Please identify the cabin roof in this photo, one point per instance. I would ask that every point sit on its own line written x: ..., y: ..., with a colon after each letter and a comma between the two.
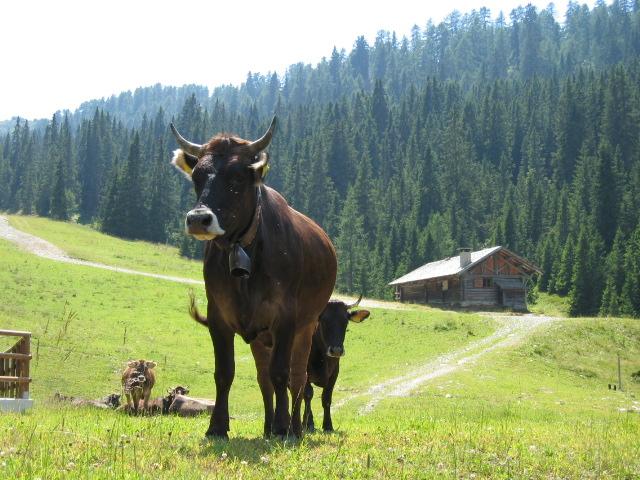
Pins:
x: 451, y: 266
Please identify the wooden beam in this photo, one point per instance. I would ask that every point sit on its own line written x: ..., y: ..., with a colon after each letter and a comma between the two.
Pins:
x: 16, y: 356
x: 15, y: 380
x: 15, y: 333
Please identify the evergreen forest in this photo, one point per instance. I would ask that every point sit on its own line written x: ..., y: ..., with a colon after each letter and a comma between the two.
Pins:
x: 514, y: 130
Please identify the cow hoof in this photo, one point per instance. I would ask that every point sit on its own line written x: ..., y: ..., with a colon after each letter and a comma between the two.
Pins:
x: 328, y: 430
x: 311, y: 428
x: 216, y: 436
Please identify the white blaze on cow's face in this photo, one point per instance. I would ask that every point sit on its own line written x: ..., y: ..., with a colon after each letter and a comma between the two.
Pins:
x: 200, y: 222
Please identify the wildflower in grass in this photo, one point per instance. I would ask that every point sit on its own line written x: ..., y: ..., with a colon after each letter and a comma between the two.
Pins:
x: 264, y: 459
x: 244, y: 462
x: 223, y: 456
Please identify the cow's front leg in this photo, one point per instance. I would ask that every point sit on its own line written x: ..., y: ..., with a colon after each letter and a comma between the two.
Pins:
x: 261, y: 355
x: 136, y: 401
x: 279, y: 373
x: 327, y: 394
x: 145, y: 405
x: 222, y: 338
x: 298, y: 381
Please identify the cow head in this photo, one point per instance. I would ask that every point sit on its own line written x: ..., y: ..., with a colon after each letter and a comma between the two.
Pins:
x: 112, y: 400
x: 137, y: 375
x: 333, y: 324
x: 225, y: 172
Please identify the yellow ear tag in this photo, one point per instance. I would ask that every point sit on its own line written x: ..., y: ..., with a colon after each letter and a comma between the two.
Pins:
x: 265, y: 170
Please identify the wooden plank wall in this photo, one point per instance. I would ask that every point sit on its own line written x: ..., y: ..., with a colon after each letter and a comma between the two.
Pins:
x: 14, y: 366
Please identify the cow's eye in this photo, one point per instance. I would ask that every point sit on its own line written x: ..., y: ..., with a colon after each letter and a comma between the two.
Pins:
x: 236, y: 178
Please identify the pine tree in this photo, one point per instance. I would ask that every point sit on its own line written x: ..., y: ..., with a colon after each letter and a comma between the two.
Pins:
x: 630, y: 295
x: 579, y: 296
x: 615, y: 276
x: 59, y: 204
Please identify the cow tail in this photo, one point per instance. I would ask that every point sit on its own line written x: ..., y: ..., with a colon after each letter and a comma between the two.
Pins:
x: 193, y: 311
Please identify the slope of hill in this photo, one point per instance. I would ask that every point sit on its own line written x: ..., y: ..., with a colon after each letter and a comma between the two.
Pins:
x: 529, y: 410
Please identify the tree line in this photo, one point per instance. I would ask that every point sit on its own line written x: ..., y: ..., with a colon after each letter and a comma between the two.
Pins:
x: 473, y: 132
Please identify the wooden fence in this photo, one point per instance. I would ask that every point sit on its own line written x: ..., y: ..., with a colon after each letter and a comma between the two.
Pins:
x: 14, y: 366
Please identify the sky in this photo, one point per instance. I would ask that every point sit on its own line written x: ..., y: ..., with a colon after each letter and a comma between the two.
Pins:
x: 57, y: 54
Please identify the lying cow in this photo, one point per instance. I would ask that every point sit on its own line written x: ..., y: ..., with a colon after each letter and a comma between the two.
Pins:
x: 327, y: 347
x: 160, y: 405
x: 110, y: 401
x: 184, y: 406
x: 137, y: 381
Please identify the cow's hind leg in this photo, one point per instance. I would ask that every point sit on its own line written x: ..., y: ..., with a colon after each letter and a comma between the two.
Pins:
x: 298, y: 380
x: 222, y: 339
x: 261, y: 355
x: 279, y: 373
x: 307, y: 417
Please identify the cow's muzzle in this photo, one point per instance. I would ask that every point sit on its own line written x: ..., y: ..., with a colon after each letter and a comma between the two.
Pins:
x: 203, y: 224
x: 335, y: 352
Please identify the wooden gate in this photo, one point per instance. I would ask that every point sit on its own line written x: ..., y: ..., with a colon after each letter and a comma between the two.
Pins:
x: 14, y: 366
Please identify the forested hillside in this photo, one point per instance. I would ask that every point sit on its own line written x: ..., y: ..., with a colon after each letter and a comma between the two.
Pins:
x: 476, y: 131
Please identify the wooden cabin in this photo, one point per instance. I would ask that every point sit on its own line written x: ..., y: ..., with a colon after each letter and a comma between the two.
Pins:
x: 490, y: 277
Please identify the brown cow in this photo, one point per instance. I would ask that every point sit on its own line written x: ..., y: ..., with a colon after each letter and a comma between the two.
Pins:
x: 268, y: 269
x: 160, y: 405
x: 327, y: 347
x: 137, y: 381
x: 184, y: 406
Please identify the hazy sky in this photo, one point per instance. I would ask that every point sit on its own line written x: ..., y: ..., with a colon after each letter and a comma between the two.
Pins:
x: 56, y: 54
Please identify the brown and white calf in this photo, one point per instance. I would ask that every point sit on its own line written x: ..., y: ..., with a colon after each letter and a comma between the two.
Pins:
x: 137, y: 381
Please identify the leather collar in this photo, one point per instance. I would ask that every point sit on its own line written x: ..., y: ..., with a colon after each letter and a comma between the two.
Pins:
x: 250, y: 234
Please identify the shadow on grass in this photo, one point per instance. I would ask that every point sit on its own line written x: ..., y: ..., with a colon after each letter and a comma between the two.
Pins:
x: 253, y: 450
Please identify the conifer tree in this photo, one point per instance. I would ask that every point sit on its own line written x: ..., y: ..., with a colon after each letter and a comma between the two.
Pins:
x: 630, y: 295
x: 59, y: 205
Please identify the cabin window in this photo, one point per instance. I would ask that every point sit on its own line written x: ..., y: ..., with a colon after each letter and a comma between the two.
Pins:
x: 477, y: 282
x: 445, y: 285
x: 487, y: 282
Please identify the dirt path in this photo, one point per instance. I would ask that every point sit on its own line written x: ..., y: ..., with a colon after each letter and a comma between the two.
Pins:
x: 511, y: 331
x: 42, y: 248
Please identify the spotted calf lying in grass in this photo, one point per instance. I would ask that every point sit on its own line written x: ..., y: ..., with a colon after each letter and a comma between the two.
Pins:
x: 110, y: 401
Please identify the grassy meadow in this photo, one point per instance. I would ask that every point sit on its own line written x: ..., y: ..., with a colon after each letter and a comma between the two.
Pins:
x: 85, y: 243
x: 538, y: 410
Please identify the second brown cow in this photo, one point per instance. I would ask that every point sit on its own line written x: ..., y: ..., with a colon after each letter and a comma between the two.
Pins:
x: 138, y: 380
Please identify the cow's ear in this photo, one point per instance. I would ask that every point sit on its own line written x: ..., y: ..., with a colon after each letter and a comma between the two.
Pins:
x: 261, y: 165
x: 132, y: 363
x: 184, y: 162
x: 150, y: 364
x: 359, y: 315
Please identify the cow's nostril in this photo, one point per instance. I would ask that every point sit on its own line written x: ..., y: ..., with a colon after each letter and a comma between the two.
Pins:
x: 206, y: 220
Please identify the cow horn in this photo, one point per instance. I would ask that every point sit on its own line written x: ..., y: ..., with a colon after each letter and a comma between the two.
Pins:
x: 354, y: 305
x: 191, y: 148
x: 263, y: 142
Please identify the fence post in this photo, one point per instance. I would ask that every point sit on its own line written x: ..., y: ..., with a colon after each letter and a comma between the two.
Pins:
x: 619, y: 374
x: 26, y: 349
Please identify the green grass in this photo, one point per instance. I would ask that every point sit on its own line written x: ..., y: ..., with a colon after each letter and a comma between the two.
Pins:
x: 552, y: 305
x: 91, y: 245
x: 538, y: 410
